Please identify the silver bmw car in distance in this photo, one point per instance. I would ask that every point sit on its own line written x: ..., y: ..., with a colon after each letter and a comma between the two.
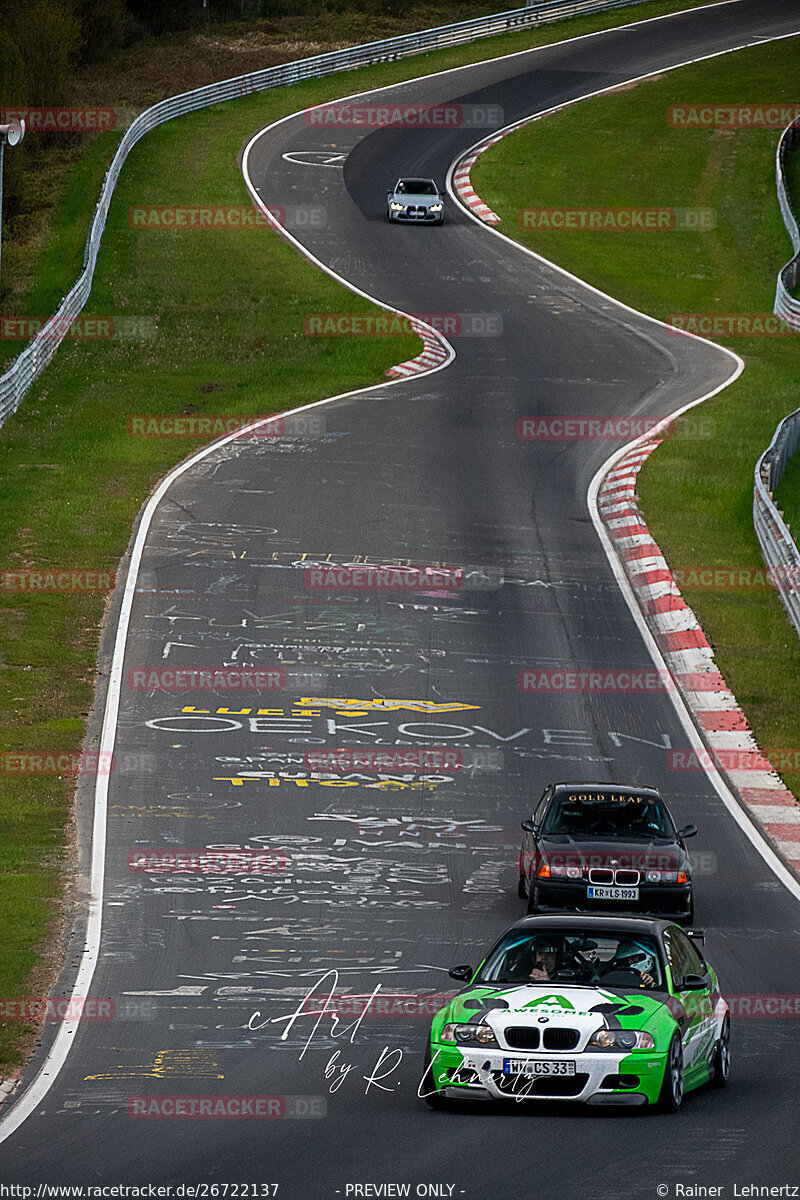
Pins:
x: 415, y: 200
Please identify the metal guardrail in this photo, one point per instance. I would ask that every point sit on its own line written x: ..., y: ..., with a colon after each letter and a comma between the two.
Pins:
x: 777, y: 544
x: 34, y: 358
x: 785, y: 304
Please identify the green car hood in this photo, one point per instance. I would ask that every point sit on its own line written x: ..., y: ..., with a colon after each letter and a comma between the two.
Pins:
x: 580, y: 1007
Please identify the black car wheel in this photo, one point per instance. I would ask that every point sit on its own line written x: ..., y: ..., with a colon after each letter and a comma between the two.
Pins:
x: 522, y: 890
x: 722, y: 1056
x: 672, y: 1087
x: 533, y: 907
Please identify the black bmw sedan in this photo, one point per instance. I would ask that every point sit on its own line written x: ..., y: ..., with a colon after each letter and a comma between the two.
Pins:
x: 605, y: 846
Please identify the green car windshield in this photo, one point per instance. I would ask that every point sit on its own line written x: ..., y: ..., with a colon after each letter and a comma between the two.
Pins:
x: 608, y: 814
x: 597, y: 959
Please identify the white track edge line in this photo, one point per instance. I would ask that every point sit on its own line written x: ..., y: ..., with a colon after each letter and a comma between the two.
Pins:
x: 23, y: 1107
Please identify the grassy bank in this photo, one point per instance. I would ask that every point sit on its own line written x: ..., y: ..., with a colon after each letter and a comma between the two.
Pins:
x: 696, y: 495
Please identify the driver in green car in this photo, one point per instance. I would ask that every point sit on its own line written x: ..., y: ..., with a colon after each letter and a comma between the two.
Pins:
x: 545, y: 962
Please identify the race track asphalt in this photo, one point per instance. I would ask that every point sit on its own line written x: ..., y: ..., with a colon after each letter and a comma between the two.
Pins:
x: 392, y: 886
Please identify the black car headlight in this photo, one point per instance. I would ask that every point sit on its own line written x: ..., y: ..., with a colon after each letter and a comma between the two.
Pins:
x: 666, y: 876
x: 620, y: 1039
x: 469, y: 1035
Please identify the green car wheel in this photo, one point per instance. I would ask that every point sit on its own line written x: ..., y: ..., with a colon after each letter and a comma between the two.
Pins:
x: 722, y: 1056
x: 672, y: 1087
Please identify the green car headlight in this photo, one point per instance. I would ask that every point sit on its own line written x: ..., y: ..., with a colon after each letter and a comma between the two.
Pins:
x: 469, y: 1035
x: 621, y: 1039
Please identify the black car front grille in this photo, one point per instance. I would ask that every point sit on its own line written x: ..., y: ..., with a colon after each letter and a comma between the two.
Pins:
x: 560, y: 1039
x: 521, y: 1037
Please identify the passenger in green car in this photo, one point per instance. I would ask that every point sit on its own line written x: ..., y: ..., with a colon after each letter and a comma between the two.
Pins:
x: 630, y: 960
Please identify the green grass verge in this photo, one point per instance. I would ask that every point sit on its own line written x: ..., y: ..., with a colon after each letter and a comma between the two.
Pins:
x: 229, y: 308
x: 696, y: 495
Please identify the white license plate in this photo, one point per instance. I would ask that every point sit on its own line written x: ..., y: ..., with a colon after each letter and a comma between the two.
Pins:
x: 538, y: 1066
x: 612, y: 893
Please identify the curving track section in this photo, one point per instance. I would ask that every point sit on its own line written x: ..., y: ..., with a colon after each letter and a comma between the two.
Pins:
x: 390, y: 887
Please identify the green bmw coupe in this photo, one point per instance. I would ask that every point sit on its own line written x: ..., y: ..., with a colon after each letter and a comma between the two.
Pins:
x: 599, y: 1009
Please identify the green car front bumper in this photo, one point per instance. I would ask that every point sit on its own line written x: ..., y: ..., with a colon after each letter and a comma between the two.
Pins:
x: 598, y: 1077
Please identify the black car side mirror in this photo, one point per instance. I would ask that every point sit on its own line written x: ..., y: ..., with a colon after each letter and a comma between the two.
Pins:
x: 694, y: 983
x: 462, y: 974
x: 529, y: 826
x: 687, y: 831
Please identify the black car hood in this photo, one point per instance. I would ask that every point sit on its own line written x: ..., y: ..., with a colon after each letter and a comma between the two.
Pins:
x: 634, y: 854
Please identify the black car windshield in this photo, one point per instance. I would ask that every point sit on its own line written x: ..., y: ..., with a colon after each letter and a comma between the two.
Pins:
x: 610, y: 813
x: 417, y: 187
x: 598, y: 958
